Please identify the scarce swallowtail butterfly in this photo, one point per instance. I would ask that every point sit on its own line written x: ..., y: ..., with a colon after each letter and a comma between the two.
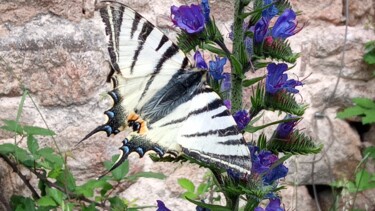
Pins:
x: 163, y: 99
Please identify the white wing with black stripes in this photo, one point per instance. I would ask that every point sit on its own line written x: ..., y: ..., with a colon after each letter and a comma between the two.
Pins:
x: 166, y: 103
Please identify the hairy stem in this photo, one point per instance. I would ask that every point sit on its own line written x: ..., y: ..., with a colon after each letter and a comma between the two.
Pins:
x: 236, y: 90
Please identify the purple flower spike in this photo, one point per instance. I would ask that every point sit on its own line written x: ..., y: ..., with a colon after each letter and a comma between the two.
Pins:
x: 277, y: 81
x: 206, y: 10
x: 200, y: 63
x: 284, y: 129
x: 242, y: 118
x: 260, y: 30
x: 161, y: 206
x: 271, y: 11
x: 286, y: 25
x: 217, y: 68
x: 228, y: 104
x: 262, y: 162
x: 226, y: 82
x: 189, y: 19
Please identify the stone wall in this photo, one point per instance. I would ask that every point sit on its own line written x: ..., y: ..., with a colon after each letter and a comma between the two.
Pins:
x: 57, y: 50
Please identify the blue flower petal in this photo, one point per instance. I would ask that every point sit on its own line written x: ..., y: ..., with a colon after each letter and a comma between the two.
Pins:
x: 277, y: 81
x: 188, y: 18
x: 200, y: 63
x: 161, y: 206
x: 285, y: 25
x: 206, y: 10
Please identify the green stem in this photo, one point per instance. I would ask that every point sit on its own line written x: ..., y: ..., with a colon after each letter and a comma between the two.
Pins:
x: 236, y: 90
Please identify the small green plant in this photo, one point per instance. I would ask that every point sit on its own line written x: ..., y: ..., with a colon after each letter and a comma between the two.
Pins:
x: 57, y: 186
x: 364, y: 179
x: 363, y: 107
x: 369, y: 56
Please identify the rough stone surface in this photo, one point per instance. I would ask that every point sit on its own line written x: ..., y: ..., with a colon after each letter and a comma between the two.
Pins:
x: 57, y: 51
x: 297, y: 198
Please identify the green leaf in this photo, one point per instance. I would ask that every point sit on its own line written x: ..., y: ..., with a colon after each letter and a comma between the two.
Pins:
x: 52, y: 160
x: 106, y: 187
x: 297, y: 143
x: 252, y: 129
x: 202, y: 188
x: 22, y: 203
x: 186, y: 184
x: 190, y: 195
x: 214, y: 49
x: 209, y: 206
x: 91, y: 207
x: 55, y: 194
x: 32, y: 130
x: 32, y: 144
x: 12, y: 126
x: 369, y: 152
x: 350, y: 112
x: 369, y: 56
x: 364, y: 107
x: 20, y: 154
x: 364, y: 103
x: 88, y: 188
x: 6, y: 149
x: 47, y: 201
x: 249, y: 82
x: 369, y: 118
x: 363, y: 180
x: 121, y: 171
x: 66, y: 179
x: 117, y: 204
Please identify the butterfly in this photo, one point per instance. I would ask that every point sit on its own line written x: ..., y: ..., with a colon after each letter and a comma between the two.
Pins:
x: 164, y: 100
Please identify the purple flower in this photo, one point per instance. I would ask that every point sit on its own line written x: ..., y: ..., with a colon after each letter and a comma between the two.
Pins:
x: 273, y: 205
x: 228, y: 104
x: 260, y: 30
x: 262, y: 162
x: 242, y: 118
x: 226, y: 82
x: 161, y: 206
x: 200, y: 63
x: 276, y: 80
x: 206, y: 10
x: 286, y: 25
x: 284, y: 129
x: 271, y: 11
x: 217, y: 67
x: 189, y: 19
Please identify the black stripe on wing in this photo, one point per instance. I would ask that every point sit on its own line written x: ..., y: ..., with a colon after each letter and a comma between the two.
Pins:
x: 137, y: 18
x: 229, y: 131
x: 172, y: 50
x: 211, y: 106
x: 182, y: 87
x: 145, y: 32
x: 113, y: 15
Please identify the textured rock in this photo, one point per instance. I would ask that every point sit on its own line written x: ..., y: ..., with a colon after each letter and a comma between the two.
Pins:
x: 297, y: 198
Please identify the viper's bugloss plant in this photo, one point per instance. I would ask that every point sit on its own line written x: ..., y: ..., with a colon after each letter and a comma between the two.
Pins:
x: 260, y: 40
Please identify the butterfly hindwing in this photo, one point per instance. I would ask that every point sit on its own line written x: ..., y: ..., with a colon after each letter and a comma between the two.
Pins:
x: 170, y: 103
